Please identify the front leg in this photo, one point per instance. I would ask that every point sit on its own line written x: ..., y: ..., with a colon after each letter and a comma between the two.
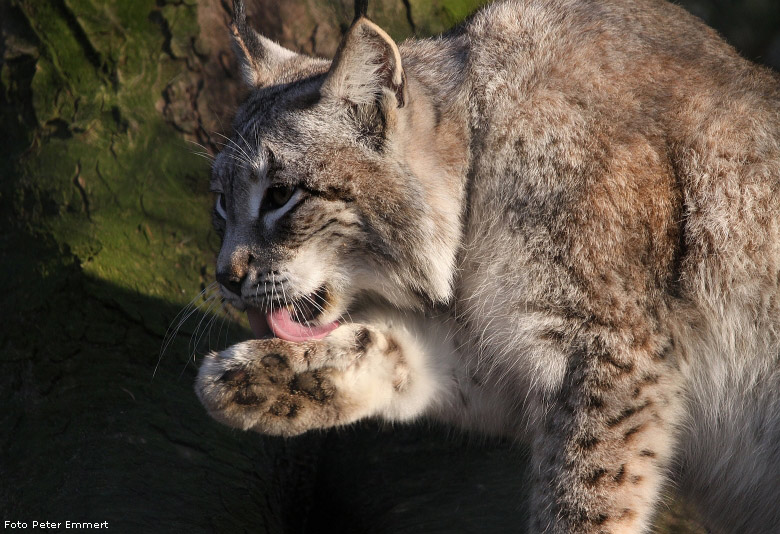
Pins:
x: 283, y: 388
x: 606, y: 440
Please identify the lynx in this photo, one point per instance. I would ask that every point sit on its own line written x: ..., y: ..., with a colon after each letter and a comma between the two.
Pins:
x: 559, y: 222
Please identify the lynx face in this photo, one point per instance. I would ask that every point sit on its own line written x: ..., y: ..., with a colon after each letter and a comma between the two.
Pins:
x: 317, y: 199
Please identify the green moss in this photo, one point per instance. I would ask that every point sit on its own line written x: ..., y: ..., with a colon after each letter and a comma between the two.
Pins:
x: 437, y: 16
x: 107, y: 176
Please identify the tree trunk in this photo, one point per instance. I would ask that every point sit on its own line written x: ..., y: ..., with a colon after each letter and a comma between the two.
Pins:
x: 106, y: 236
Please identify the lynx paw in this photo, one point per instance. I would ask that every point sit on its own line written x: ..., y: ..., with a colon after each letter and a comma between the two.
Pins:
x: 284, y: 388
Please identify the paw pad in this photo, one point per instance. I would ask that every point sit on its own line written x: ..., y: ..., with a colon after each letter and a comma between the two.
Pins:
x: 235, y: 375
x: 284, y: 408
x: 314, y: 386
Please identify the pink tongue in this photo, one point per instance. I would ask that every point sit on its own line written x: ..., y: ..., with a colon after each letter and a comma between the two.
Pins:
x: 285, y: 327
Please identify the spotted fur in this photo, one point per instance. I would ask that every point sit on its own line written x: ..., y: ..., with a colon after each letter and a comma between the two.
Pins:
x: 559, y: 222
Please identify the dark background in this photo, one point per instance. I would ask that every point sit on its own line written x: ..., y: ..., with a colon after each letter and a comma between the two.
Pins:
x: 105, y: 238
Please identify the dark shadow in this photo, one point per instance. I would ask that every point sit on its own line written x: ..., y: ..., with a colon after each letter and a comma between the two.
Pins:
x: 86, y: 434
x: 423, y: 479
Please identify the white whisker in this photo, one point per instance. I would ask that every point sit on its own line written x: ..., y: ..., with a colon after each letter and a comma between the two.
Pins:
x: 184, y: 314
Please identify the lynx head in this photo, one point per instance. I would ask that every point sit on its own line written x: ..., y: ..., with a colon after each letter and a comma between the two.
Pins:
x: 331, y: 187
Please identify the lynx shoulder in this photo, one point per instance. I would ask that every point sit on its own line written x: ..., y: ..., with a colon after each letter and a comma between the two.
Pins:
x: 559, y: 221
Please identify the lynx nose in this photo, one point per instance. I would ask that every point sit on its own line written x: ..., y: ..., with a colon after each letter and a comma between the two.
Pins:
x: 231, y: 276
x: 231, y: 282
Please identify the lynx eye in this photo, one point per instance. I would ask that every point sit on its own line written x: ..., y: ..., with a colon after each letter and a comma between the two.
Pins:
x: 277, y: 196
x: 221, y: 205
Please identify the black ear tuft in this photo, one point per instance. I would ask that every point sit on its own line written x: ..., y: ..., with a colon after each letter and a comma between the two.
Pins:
x: 361, y: 9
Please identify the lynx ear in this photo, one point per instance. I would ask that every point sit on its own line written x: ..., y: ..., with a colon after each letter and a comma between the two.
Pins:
x: 367, y: 66
x: 262, y: 60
